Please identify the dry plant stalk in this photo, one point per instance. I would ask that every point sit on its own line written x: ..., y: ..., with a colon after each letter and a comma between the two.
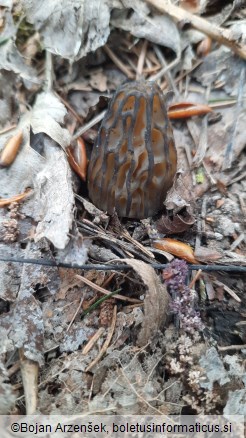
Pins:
x: 106, y: 343
x: 219, y: 34
x: 90, y: 344
x: 104, y: 291
x: 29, y: 373
x: 16, y: 198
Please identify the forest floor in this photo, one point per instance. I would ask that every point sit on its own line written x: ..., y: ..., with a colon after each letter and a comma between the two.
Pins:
x: 170, y: 337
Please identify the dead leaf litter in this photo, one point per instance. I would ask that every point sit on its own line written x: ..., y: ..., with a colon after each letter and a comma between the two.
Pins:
x: 141, y: 339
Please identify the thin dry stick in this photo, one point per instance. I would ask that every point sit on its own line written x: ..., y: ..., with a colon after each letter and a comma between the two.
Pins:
x: 49, y: 72
x: 232, y: 347
x: 104, y: 291
x: 70, y: 108
x: 141, y: 59
x: 29, y: 373
x: 168, y: 67
x: 89, y: 125
x: 188, y: 154
x: 130, y: 62
x: 76, y: 313
x: 228, y: 290
x: 187, y: 72
x: 240, y: 177
x: 118, y: 62
x: 138, y: 245
x: 198, y: 235
x: 9, y: 128
x: 165, y: 69
x: 242, y: 204
x: 196, y: 277
x: 210, y: 177
x: 93, y: 340
x: 237, y: 242
x: 224, y: 104
x: 219, y: 34
x: 14, y: 369
x: 106, y: 343
x: 107, y: 281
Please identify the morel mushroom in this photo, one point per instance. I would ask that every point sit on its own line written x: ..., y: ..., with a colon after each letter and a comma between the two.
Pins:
x: 134, y: 158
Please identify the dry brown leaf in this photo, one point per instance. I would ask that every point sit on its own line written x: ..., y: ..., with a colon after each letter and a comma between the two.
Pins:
x: 204, y: 254
x: 177, y: 224
x: 179, y: 249
x: 155, y: 302
x: 11, y: 149
x: 180, y: 195
x: 77, y: 158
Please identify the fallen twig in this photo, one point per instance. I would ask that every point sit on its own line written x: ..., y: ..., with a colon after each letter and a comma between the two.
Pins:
x: 93, y: 340
x: 29, y: 373
x: 88, y: 125
x: 106, y: 343
x: 228, y: 290
x: 104, y: 291
x: 232, y: 347
x: 217, y: 33
x: 118, y: 62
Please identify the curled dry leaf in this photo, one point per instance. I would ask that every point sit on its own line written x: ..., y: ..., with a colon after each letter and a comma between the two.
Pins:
x: 155, y: 302
x: 177, y: 248
x: 184, y: 110
x: 180, y: 195
x: 77, y: 158
x: 47, y: 116
x: 177, y: 224
x: 54, y: 199
x: 11, y: 149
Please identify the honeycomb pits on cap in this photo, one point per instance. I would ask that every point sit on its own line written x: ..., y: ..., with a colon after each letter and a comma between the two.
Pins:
x: 134, y: 159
